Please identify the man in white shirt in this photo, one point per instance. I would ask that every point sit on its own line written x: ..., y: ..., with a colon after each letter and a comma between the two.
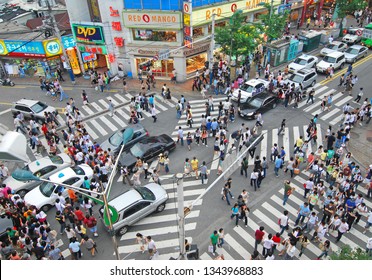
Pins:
x: 283, y: 221
x: 344, y: 227
x: 59, y: 205
x: 151, y: 246
x: 267, y: 245
x: 4, y: 171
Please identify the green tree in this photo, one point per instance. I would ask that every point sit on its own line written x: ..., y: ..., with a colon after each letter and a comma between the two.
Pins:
x: 347, y: 7
x: 347, y: 253
x: 274, y: 24
x: 237, y: 38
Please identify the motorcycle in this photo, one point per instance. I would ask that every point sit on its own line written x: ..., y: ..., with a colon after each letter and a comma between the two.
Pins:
x: 7, y: 82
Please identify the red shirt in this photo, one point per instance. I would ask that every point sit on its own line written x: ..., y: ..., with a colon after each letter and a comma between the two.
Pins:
x: 79, y: 215
x: 259, y: 235
x: 276, y: 239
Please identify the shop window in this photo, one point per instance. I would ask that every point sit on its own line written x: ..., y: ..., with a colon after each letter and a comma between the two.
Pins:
x: 257, y: 16
x: 218, y: 24
x: 160, y: 68
x: 198, y: 32
x: 152, y: 35
x: 196, y: 62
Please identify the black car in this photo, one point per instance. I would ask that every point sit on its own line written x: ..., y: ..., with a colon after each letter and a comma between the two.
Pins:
x: 148, y: 148
x: 115, y: 141
x: 259, y: 103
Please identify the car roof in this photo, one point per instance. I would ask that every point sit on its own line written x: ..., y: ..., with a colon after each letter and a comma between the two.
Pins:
x: 358, y: 47
x: 125, y: 199
x: 306, y: 56
x: 254, y: 82
x: 46, y: 161
x: 335, y: 54
x: 262, y: 96
x: 305, y: 71
x: 28, y: 102
x: 337, y: 43
x: 68, y: 173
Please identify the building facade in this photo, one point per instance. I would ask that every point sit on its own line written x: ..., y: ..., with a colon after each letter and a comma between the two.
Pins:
x: 166, y: 34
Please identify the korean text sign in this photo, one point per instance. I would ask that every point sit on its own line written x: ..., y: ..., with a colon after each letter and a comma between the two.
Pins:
x: 22, y: 48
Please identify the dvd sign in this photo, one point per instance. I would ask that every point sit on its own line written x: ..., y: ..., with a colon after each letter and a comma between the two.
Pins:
x: 89, y: 34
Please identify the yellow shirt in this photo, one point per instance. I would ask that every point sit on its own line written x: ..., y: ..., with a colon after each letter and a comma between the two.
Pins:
x: 194, y: 164
x: 323, y: 156
x: 299, y: 142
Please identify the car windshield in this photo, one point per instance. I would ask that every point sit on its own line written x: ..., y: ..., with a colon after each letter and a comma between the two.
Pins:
x: 296, y: 78
x: 256, y: 103
x: 78, y: 170
x: 332, y: 47
x: 352, y: 51
x: 329, y: 59
x: 300, y: 61
x: 247, y: 88
x: 116, y: 139
x: 137, y: 150
x: 145, y: 193
x: 47, y: 188
x: 38, y: 107
x: 56, y: 159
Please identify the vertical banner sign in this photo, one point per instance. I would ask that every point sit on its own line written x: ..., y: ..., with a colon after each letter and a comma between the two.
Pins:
x: 187, y: 24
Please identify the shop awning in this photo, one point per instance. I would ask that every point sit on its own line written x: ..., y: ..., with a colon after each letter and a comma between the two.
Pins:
x: 13, y: 147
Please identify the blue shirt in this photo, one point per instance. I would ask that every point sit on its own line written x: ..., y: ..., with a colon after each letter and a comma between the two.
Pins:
x: 282, y: 153
x: 304, y: 210
x: 214, y: 125
x: 151, y: 100
x: 74, y: 246
x: 278, y: 162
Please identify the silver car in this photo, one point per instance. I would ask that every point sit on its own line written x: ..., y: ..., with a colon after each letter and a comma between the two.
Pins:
x: 134, y: 205
x: 304, y: 77
x: 353, y: 53
x: 33, y: 108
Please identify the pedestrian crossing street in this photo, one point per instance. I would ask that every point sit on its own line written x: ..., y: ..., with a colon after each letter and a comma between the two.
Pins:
x: 104, y: 125
x: 163, y: 227
x: 335, y: 115
x: 197, y: 109
x: 239, y: 241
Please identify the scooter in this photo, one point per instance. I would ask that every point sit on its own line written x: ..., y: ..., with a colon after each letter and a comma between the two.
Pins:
x: 7, y: 82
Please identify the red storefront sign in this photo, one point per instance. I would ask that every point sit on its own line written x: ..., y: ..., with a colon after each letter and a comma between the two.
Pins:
x: 116, y: 25
x: 114, y: 13
x: 119, y: 41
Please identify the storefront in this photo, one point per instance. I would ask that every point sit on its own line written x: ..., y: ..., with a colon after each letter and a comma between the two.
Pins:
x: 312, y: 9
x: 162, y: 31
x: 25, y: 58
x: 196, y: 58
x: 91, y: 46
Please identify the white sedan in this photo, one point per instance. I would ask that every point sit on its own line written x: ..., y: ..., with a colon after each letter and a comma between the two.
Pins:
x: 43, y: 168
x: 249, y: 89
x: 303, y: 62
x: 335, y: 46
x: 44, y: 196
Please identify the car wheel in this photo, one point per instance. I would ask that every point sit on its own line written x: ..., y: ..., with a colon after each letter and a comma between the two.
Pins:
x: 273, y: 106
x: 313, y: 84
x: 314, y: 65
x: 45, y: 208
x: 123, y: 230
x: 342, y: 65
x: 160, y: 208
x: 22, y: 193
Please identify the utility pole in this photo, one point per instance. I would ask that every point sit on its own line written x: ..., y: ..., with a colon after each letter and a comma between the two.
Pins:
x: 181, y: 216
x: 58, y: 35
x: 211, y: 49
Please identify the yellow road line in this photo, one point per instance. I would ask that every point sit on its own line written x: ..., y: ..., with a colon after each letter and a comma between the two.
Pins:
x: 343, y: 71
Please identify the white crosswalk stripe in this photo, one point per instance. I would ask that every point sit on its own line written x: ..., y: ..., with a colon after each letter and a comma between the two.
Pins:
x: 239, y: 241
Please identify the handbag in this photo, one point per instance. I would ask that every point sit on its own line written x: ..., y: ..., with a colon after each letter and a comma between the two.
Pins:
x: 210, y: 248
x: 296, y: 171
